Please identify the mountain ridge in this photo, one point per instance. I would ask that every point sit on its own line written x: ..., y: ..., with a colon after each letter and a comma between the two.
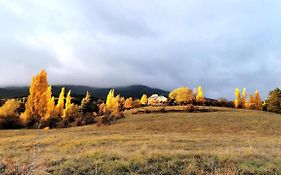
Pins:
x: 135, y: 91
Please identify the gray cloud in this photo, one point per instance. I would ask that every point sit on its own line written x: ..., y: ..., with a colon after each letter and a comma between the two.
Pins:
x: 164, y: 44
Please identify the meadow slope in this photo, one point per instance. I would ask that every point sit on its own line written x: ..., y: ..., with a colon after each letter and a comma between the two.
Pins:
x: 228, y: 141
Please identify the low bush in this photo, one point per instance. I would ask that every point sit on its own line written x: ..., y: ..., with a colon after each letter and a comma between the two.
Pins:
x: 10, y: 122
x: 9, y: 115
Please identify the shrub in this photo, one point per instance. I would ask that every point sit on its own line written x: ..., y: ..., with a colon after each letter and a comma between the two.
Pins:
x: 10, y: 122
x: 102, y: 108
x: 136, y: 103
x: 128, y: 104
x: 70, y: 114
x: 9, y: 108
x: 9, y: 116
x: 74, y: 118
x: 51, y: 122
x: 109, y: 118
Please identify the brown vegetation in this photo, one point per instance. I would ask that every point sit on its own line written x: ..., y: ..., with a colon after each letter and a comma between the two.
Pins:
x: 229, y: 141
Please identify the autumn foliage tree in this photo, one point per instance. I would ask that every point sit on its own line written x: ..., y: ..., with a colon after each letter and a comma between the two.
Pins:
x: 85, y: 102
x: 36, y: 107
x: 60, y: 104
x: 68, y: 105
x: 50, y: 105
x: 258, y: 100
x: 182, y: 95
x: 110, y: 100
x: 9, y: 117
x: 255, y: 101
x: 237, y: 100
x: 144, y: 99
x: 113, y: 103
x: 9, y: 108
x: 128, y: 104
x: 200, y: 95
x: 244, y: 100
x: 41, y: 111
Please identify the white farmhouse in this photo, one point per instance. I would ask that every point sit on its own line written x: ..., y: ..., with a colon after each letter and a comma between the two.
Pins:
x: 155, y: 99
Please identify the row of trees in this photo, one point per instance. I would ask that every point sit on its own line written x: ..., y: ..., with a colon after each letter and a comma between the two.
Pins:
x: 42, y: 109
x: 115, y: 104
x: 254, y: 102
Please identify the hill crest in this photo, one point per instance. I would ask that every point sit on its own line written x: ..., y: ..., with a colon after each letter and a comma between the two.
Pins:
x: 135, y: 91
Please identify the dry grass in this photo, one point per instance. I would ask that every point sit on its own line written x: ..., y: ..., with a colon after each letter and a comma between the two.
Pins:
x: 224, y: 142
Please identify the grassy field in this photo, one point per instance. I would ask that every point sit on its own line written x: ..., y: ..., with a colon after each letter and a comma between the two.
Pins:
x: 224, y: 142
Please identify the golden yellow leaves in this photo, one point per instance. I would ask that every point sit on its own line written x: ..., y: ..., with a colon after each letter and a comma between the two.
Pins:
x: 182, y: 95
x: 255, y: 101
x: 9, y: 108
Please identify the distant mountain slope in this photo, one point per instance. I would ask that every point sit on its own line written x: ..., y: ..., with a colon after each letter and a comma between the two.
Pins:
x: 135, y: 91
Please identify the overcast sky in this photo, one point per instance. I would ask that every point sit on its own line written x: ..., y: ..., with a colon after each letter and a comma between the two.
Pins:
x: 219, y: 44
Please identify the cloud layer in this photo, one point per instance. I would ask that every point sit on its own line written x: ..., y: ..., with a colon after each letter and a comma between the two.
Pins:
x: 164, y: 44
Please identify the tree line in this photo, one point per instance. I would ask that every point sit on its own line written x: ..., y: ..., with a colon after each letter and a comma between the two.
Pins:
x: 42, y: 109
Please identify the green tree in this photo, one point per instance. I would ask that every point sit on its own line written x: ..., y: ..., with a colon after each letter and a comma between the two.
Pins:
x: 273, y: 101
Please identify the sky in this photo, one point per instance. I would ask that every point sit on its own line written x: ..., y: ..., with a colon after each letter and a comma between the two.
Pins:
x: 165, y: 44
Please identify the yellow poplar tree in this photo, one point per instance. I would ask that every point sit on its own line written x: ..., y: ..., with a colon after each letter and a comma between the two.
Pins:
x: 60, y: 105
x: 252, y: 102
x: 255, y: 101
x: 67, y: 104
x: 68, y: 100
x: 112, y: 102
x: 51, y: 109
x: 143, y: 99
x: 237, y: 100
x: 244, y: 101
x: 258, y: 100
x: 86, y: 100
x: 200, y: 94
x: 37, y: 102
x: 51, y: 103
